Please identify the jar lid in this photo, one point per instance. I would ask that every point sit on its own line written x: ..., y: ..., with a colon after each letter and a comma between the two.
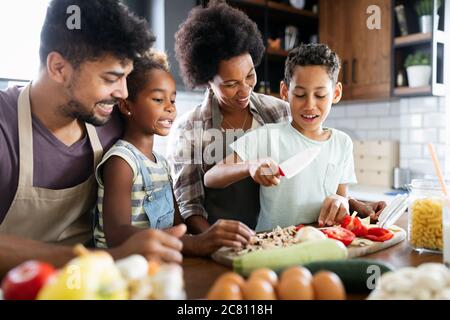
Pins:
x: 429, y: 184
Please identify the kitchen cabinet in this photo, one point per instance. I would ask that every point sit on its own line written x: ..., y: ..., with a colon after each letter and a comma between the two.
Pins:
x: 365, y: 53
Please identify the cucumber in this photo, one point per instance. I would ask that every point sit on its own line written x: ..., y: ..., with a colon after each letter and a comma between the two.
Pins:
x: 281, y: 258
x: 354, y: 273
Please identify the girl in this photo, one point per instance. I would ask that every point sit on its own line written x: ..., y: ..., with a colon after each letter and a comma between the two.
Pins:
x: 135, y: 187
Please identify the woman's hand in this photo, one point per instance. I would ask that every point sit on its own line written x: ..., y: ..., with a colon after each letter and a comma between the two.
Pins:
x: 367, y: 209
x: 334, y: 210
x: 223, y: 233
x: 266, y: 172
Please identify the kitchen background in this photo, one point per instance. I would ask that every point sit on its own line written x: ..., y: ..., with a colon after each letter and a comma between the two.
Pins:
x: 374, y: 38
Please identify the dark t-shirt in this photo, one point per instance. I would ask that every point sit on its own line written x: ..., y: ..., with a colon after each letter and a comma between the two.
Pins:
x: 56, y: 166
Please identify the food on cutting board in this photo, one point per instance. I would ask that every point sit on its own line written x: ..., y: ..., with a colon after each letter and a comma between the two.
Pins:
x: 295, y: 283
x: 296, y: 254
x: 93, y: 275
x: 24, y: 281
x: 429, y: 281
x: 354, y: 273
x: 425, y: 224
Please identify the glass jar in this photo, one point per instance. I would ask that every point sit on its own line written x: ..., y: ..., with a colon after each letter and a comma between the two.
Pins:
x: 426, y: 201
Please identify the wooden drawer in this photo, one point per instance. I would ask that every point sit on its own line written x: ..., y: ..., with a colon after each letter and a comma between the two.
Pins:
x: 376, y: 148
x: 375, y: 178
x: 379, y: 163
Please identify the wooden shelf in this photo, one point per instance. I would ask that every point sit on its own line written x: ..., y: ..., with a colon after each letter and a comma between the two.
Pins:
x: 407, y: 91
x: 281, y: 7
x: 277, y: 52
x: 413, y: 39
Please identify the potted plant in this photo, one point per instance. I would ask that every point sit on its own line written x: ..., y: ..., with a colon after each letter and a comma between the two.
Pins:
x: 418, y: 68
x: 424, y: 9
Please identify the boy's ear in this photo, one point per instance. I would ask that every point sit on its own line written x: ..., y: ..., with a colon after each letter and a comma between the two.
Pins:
x: 284, y: 91
x: 125, y: 107
x: 337, y: 93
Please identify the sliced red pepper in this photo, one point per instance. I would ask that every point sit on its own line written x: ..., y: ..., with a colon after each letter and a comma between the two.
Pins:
x: 339, y: 233
x: 355, y: 225
x: 299, y: 226
x: 379, y: 234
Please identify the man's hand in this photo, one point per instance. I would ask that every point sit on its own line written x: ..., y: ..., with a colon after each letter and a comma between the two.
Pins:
x: 367, y: 209
x: 334, y: 210
x: 154, y: 244
x: 265, y: 172
x: 223, y: 233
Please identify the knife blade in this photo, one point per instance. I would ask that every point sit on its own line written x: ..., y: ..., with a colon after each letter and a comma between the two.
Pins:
x: 294, y: 165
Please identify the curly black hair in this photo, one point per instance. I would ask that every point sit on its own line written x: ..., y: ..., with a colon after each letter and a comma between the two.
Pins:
x: 213, y: 34
x: 137, y: 80
x: 316, y: 54
x: 107, y: 27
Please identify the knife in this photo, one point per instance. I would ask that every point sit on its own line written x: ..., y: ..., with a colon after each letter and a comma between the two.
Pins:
x: 294, y: 165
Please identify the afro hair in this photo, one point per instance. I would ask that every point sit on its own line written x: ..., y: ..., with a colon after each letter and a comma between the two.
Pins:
x: 211, y: 35
x: 107, y: 27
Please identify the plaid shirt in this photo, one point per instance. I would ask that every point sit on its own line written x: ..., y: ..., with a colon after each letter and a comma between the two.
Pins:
x: 189, y: 138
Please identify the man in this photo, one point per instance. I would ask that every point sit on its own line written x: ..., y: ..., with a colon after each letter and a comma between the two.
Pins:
x: 48, y: 143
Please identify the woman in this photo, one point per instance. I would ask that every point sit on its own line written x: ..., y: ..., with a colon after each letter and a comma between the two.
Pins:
x: 218, y: 48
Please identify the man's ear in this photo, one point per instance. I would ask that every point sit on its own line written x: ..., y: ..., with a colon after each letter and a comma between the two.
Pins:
x: 337, y: 95
x: 125, y: 107
x: 58, y: 68
x: 284, y: 91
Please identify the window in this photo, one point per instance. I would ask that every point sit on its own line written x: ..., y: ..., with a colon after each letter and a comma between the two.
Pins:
x: 20, y: 27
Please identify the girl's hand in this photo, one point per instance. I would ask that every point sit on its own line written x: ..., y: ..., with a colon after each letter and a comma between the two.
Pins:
x: 334, y: 210
x: 265, y: 172
x: 367, y: 209
x: 223, y: 233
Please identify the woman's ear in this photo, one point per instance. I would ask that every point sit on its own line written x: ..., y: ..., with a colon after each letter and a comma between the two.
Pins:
x: 125, y: 107
x: 284, y: 91
x: 337, y: 93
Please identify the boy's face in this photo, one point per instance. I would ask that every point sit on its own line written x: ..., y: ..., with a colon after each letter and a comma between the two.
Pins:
x: 310, y: 95
x: 154, y: 110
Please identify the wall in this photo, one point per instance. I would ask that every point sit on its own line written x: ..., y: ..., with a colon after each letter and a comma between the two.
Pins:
x: 413, y: 121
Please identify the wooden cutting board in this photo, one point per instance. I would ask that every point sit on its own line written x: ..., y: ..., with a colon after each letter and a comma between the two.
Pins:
x: 225, y: 256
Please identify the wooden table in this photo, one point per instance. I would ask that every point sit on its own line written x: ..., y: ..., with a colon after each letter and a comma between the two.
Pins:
x: 200, y: 273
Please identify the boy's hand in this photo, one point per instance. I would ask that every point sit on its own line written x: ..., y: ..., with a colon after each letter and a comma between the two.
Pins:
x: 265, y: 172
x: 155, y: 244
x: 366, y: 209
x: 223, y: 233
x: 334, y: 210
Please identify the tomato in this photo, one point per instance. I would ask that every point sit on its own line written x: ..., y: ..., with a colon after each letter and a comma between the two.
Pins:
x: 339, y: 233
x: 379, y: 234
x: 24, y: 281
x: 355, y: 225
x: 299, y: 226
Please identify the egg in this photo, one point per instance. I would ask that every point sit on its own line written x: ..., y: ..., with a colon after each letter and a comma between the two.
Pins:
x: 231, y: 277
x: 225, y: 290
x: 295, y: 288
x: 296, y: 272
x: 266, y: 274
x: 258, y: 289
x: 328, y: 286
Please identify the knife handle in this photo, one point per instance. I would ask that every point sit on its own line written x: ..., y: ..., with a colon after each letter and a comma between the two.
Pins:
x: 281, y: 172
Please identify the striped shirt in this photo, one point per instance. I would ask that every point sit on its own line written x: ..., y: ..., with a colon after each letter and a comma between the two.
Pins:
x: 159, y: 173
x: 188, y: 141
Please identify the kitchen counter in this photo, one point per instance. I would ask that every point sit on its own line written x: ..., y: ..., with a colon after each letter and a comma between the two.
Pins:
x: 370, y: 193
x: 200, y: 273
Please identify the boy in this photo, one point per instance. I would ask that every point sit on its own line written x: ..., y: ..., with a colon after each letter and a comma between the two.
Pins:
x: 319, y: 192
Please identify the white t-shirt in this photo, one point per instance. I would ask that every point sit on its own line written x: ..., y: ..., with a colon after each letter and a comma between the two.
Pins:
x: 299, y: 199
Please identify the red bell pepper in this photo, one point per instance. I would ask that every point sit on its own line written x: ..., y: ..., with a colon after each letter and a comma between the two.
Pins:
x: 379, y: 234
x: 339, y: 233
x: 355, y: 225
x: 24, y: 281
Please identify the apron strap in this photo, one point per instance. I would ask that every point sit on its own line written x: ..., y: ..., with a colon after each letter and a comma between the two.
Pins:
x: 25, y: 128
x: 95, y: 144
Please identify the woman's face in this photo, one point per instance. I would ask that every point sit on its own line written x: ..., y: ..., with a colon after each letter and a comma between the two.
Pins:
x: 234, y: 82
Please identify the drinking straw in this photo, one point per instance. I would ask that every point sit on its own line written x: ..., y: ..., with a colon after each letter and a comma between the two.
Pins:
x: 437, y: 167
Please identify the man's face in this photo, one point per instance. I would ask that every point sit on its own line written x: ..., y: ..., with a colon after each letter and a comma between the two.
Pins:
x: 95, y: 87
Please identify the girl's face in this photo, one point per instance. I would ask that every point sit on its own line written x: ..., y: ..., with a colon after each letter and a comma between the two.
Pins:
x: 154, y: 110
x: 234, y: 82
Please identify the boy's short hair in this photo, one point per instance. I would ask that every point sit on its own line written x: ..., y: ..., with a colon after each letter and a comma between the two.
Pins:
x: 137, y: 79
x: 106, y: 27
x: 312, y: 55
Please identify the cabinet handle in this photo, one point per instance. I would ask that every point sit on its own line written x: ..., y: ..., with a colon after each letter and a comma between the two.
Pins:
x: 344, y: 72
x: 354, y: 62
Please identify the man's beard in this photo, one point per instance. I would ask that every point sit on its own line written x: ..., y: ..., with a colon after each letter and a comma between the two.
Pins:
x: 74, y: 109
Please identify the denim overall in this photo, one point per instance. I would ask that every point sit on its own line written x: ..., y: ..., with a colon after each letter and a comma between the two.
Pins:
x: 158, y: 204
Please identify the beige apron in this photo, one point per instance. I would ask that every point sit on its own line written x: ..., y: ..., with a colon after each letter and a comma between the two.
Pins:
x: 53, y: 216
